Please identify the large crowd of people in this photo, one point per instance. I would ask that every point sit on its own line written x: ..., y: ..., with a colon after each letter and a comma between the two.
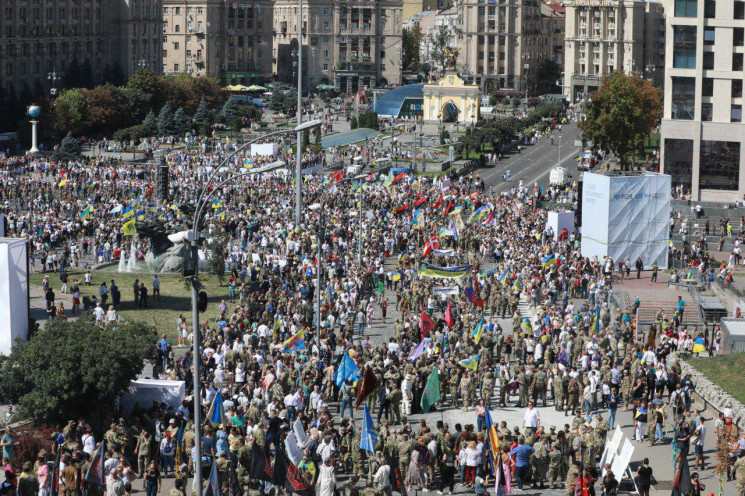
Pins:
x: 441, y: 285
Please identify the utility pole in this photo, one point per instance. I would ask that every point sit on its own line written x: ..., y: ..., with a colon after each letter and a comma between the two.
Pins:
x: 299, y: 154
x: 196, y: 356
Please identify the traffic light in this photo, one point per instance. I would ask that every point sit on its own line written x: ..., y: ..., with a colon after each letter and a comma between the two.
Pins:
x: 202, y: 302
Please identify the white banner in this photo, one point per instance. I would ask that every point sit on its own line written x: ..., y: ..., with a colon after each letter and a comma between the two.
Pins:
x: 294, y: 452
x: 300, y: 434
x: 443, y: 253
x: 445, y: 290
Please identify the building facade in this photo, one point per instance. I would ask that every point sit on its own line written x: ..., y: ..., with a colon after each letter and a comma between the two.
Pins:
x: 501, y: 43
x: 603, y: 36
x: 702, y: 135
x: 39, y: 39
x: 553, y: 21
x: 230, y: 40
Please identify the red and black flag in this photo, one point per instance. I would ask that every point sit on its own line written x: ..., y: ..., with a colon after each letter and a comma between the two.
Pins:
x: 368, y: 386
x: 261, y: 467
x: 682, y: 484
x: 288, y: 475
x: 395, y: 479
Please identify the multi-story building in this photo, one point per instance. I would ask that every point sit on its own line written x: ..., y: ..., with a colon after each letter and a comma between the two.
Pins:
x: 702, y: 131
x: 444, y: 21
x: 501, y: 42
x: 136, y: 28
x: 350, y: 45
x: 553, y: 19
x: 412, y: 7
x: 42, y: 37
x: 603, y: 36
x: 230, y: 40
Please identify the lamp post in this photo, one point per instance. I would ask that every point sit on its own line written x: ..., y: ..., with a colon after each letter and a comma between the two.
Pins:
x: 193, y: 236
x: 52, y: 76
x: 299, y: 154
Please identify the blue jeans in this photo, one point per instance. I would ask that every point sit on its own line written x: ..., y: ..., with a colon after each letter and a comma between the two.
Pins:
x: 167, y: 463
x: 481, y: 423
x: 151, y: 488
x: 361, y: 329
x: 588, y: 407
x: 347, y: 402
x: 612, y: 417
x: 658, y: 433
x: 291, y: 413
x: 520, y: 476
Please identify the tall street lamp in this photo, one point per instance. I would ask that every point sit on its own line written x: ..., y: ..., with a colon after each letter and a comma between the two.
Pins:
x: 191, y: 269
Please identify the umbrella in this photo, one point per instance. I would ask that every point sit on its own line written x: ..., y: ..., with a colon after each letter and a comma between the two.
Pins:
x: 237, y: 87
x: 255, y: 87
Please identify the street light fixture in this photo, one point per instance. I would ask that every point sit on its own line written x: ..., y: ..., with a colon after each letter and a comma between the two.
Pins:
x: 193, y: 236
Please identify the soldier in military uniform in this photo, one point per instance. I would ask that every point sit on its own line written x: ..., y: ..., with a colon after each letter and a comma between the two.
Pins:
x: 540, y: 382
x: 358, y: 456
x: 454, y: 385
x: 404, y: 454
x: 345, y: 449
x: 143, y: 450
x: 396, y: 397
x: 223, y: 469
x: 573, y: 393
x: 539, y: 462
x: 113, y: 440
x: 503, y: 386
x: 522, y: 390
x: 350, y: 488
x: 487, y: 387
x: 554, y: 466
x: 571, y: 479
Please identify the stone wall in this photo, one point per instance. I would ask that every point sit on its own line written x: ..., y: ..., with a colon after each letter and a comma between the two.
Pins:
x: 714, y: 395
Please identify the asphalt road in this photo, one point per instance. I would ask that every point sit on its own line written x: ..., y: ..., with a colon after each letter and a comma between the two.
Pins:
x: 535, y: 162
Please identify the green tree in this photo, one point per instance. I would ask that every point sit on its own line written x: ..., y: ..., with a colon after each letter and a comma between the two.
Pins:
x: 621, y: 114
x: 444, y: 136
x: 181, y: 122
x: 150, y: 124
x: 277, y: 101
x: 230, y: 112
x: 72, y: 111
x: 68, y: 149
x: 74, y: 369
x: 149, y: 86
x: 203, y: 116
x: 547, y: 74
x: 166, y: 121
x: 353, y: 123
x: 411, y: 41
x: 439, y: 39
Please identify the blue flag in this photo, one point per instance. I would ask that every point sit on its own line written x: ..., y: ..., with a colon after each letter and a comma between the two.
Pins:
x: 369, y: 437
x: 216, y: 413
x: 347, y: 370
x: 213, y: 484
x: 416, y: 352
x: 95, y: 471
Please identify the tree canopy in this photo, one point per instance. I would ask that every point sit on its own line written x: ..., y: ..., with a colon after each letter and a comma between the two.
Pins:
x: 621, y: 114
x: 67, y: 368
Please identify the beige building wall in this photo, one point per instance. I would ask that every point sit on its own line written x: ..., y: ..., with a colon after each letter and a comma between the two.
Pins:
x: 703, y: 139
x: 501, y: 42
x: 603, y: 36
x: 416, y: 6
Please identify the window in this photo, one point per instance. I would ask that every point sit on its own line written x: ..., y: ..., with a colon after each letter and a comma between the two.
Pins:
x: 735, y: 113
x: 738, y: 36
x: 684, y: 98
x: 707, y: 111
x: 325, y: 54
x: 707, y: 87
x: 709, y: 60
x: 709, y: 36
x: 736, y: 61
x: 719, y: 165
x: 178, y: 10
x: 739, y: 10
x: 175, y: 67
x: 679, y: 161
x: 686, y: 8
x: 684, y: 47
x: 710, y: 9
x: 737, y: 88
x: 165, y: 10
x: 177, y: 28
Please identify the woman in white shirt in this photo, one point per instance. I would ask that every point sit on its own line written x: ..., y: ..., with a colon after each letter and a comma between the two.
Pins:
x: 111, y: 315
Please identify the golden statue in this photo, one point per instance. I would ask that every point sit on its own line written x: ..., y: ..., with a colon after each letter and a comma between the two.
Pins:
x: 451, y: 57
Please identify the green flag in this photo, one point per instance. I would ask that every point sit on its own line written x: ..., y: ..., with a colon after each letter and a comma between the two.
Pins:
x: 431, y: 394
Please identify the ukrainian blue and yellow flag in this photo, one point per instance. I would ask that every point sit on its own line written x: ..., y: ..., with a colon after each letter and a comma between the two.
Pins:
x: 62, y: 183
x: 355, y: 187
x: 470, y: 363
x: 479, y: 213
x: 217, y: 204
x: 221, y: 214
x: 549, y: 260
x: 397, y: 276
x: 429, y: 270
x: 478, y: 331
x: 389, y: 179
x: 699, y: 345
x: 456, y: 210
x: 417, y: 221
x: 504, y: 277
x: 596, y: 320
x: 128, y: 212
x: 86, y: 213
x: 296, y: 342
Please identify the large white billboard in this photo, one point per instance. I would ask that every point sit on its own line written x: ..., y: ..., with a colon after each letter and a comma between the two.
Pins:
x: 626, y: 217
x: 13, y: 293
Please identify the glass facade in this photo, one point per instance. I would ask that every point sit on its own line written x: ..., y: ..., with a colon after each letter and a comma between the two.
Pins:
x: 679, y: 161
x: 719, y: 165
x: 684, y: 47
x: 684, y: 98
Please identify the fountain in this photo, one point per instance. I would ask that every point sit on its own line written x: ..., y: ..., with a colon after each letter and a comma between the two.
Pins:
x: 122, y: 262
x: 132, y: 262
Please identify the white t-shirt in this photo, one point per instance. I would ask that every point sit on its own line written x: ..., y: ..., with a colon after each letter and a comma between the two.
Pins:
x: 89, y: 443
x: 531, y: 418
x: 99, y: 313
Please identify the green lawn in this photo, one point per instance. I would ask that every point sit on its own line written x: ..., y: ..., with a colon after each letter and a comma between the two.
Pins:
x: 175, y: 297
x: 728, y: 372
